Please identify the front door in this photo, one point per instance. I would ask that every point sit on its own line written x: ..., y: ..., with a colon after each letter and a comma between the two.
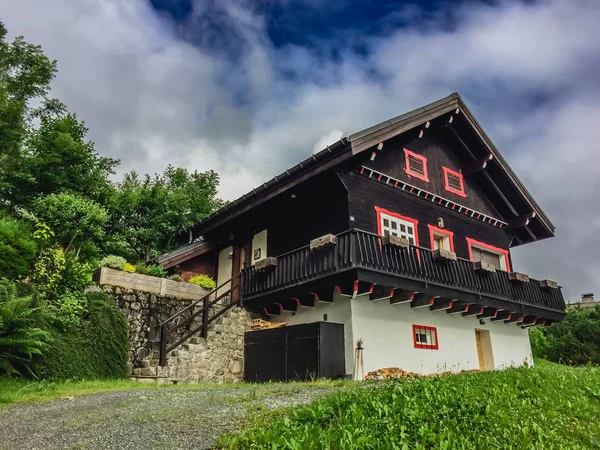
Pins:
x: 241, y: 260
x: 484, y: 349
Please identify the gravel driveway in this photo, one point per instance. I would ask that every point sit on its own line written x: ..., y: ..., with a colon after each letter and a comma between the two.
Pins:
x: 168, y: 418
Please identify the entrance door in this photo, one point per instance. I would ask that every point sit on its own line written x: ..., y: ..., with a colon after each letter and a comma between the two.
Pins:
x: 241, y: 260
x: 484, y: 349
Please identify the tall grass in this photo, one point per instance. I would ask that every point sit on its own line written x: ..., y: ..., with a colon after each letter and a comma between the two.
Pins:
x: 546, y: 407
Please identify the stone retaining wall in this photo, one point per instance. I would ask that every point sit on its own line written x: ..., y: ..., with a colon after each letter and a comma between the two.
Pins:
x: 218, y: 358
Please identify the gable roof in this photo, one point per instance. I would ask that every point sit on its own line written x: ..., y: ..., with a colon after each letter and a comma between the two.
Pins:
x: 511, y: 197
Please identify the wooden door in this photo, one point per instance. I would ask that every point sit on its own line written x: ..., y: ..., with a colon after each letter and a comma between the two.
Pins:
x: 484, y: 349
x: 241, y: 260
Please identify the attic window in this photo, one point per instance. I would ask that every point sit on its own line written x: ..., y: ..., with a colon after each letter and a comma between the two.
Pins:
x: 454, y: 182
x: 416, y: 165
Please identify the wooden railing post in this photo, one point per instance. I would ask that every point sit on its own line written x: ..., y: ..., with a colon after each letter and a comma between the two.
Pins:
x: 205, y: 318
x: 163, y: 344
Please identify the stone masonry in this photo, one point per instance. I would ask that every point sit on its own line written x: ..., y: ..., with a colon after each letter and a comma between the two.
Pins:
x: 219, y: 358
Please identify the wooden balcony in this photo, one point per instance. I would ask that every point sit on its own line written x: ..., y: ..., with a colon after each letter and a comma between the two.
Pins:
x: 360, y: 259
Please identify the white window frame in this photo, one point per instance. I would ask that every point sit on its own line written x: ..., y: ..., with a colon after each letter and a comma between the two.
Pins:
x: 397, y: 231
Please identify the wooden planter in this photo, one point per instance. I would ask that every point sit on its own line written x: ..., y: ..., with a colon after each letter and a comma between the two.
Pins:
x: 146, y: 283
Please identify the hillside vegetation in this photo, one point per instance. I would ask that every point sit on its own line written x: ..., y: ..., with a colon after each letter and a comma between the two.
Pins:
x: 546, y: 407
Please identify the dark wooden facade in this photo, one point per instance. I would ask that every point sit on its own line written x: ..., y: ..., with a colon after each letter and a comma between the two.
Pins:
x: 337, y: 192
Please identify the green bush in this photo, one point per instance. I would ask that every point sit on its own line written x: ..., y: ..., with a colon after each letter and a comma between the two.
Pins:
x: 97, y: 348
x: 155, y: 270
x: 539, y: 342
x: 113, y: 262
x: 575, y: 340
x: 20, y: 336
x: 17, y: 249
x: 175, y: 277
x: 203, y: 280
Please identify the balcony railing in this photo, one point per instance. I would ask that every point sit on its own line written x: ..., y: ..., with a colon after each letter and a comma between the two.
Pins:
x: 358, y: 249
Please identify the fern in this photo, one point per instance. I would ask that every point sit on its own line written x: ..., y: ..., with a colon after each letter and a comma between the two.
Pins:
x: 20, y: 339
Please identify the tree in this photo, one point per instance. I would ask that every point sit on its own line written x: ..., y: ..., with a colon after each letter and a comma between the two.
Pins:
x: 146, y: 214
x: 17, y: 248
x: 77, y: 222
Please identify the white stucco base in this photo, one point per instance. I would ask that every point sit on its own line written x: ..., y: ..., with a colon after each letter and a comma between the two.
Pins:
x: 388, y: 336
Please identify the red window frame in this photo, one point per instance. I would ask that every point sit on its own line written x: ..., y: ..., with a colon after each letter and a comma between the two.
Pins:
x: 425, y: 176
x: 425, y: 328
x: 397, y: 216
x: 433, y: 230
x: 483, y: 245
x: 459, y: 175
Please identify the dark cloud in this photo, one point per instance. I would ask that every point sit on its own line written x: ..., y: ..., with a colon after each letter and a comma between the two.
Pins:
x: 213, y: 91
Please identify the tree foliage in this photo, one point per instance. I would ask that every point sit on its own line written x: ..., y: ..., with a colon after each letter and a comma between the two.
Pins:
x: 147, y: 213
x: 17, y: 248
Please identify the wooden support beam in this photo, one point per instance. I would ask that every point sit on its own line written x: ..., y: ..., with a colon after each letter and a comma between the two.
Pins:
x: 442, y: 303
x: 307, y: 300
x: 381, y: 292
x: 355, y: 288
x: 489, y: 313
x: 324, y: 295
x: 473, y: 310
x: 527, y: 321
x: 502, y: 315
x: 520, y: 221
x: 273, y: 309
x: 477, y: 165
x: 457, y: 307
x: 290, y: 305
x: 514, y: 318
x: 401, y: 296
x: 422, y: 300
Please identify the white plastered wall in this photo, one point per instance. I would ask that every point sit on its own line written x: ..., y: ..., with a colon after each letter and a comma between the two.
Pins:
x: 224, y: 268
x: 259, y: 241
x: 388, y: 341
x: 337, y: 312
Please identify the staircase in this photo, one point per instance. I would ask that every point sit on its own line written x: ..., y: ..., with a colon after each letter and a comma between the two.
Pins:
x: 202, y: 342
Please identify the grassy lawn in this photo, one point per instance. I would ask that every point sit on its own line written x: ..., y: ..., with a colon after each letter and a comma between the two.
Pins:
x: 547, y: 407
x: 19, y: 391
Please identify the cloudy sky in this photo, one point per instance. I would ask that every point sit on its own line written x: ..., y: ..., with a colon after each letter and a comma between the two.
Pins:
x: 248, y: 88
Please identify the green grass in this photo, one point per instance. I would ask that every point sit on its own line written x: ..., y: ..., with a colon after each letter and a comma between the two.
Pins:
x: 546, y: 407
x: 14, y: 390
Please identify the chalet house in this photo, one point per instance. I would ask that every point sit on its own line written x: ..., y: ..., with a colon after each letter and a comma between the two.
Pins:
x: 400, y: 235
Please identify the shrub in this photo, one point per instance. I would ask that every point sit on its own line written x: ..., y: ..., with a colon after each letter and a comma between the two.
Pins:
x: 17, y: 249
x: 153, y: 270
x: 129, y: 268
x: 203, y: 280
x: 20, y: 337
x: 96, y: 349
x: 175, y: 277
x: 575, y: 340
x: 113, y: 262
x: 61, y: 280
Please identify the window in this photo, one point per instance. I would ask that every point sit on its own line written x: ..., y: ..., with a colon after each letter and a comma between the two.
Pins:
x: 453, y: 182
x: 390, y: 223
x: 425, y: 337
x: 416, y: 165
x: 480, y: 251
x: 441, y: 238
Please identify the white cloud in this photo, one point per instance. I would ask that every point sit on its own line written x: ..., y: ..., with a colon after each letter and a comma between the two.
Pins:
x: 224, y: 98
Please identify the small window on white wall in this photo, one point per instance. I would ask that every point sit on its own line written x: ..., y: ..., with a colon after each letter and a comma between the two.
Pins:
x: 425, y: 337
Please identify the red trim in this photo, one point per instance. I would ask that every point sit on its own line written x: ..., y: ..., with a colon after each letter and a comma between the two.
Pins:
x: 471, y: 242
x: 415, y: 222
x: 266, y: 312
x: 448, y: 171
x: 434, y: 346
x: 434, y: 229
x: 425, y: 176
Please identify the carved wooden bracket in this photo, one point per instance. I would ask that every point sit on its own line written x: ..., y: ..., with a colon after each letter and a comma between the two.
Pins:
x: 395, y: 241
x: 482, y: 266
x: 266, y: 264
x: 519, y: 277
x: 329, y: 240
x: 443, y: 255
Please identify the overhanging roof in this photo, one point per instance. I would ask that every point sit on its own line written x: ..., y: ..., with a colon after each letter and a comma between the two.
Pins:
x: 528, y: 209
